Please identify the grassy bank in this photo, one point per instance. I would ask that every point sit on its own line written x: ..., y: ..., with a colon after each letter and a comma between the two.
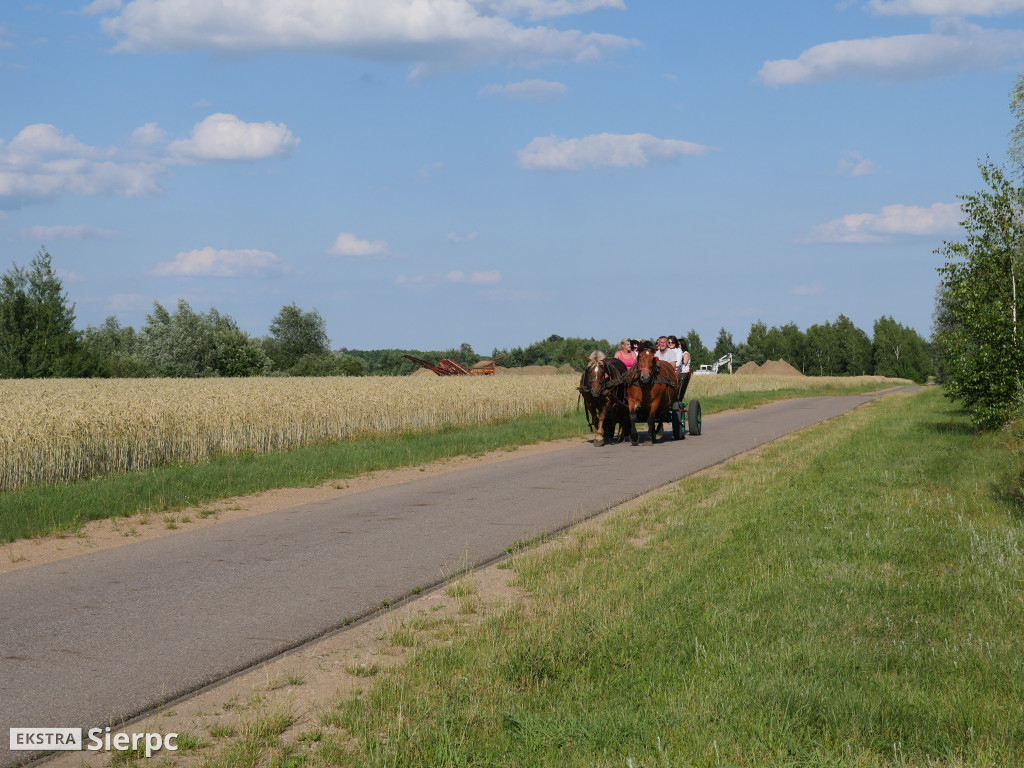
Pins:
x: 848, y: 597
x: 49, y: 509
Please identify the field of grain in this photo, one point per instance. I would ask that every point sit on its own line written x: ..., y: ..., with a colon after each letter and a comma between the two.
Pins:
x: 61, y: 430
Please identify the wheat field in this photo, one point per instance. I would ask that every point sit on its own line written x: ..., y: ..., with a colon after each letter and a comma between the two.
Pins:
x: 62, y: 430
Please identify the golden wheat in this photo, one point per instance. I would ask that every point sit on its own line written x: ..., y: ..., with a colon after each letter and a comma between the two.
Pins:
x: 61, y: 430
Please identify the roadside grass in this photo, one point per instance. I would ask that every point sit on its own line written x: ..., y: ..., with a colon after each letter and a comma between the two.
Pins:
x: 851, y: 596
x: 56, y: 510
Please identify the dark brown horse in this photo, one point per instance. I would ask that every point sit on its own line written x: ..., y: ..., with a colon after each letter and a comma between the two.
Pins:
x: 603, y: 389
x: 652, y: 386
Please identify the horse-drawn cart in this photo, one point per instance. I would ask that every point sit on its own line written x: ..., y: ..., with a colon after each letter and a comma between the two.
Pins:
x: 684, y: 412
x: 616, y: 395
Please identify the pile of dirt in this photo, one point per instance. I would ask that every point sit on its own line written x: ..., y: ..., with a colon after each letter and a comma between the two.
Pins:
x: 747, y: 368
x: 777, y: 368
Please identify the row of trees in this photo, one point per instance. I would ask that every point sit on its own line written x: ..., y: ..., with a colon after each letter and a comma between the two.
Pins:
x: 38, y: 338
x: 836, y: 348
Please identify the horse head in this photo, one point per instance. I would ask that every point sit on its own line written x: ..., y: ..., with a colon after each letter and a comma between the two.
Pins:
x: 645, y: 364
x: 594, y: 375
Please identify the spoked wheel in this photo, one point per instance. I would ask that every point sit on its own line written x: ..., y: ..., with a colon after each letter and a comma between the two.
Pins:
x: 693, y: 417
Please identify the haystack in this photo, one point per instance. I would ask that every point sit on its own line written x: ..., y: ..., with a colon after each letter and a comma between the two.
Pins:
x: 423, y: 372
x: 747, y: 368
x: 566, y: 368
x: 778, y: 368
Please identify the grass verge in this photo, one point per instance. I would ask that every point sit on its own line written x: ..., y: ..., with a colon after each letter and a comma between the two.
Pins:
x: 48, y: 510
x: 848, y: 597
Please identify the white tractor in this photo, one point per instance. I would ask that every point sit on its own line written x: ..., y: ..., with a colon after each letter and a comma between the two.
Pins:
x: 725, y: 360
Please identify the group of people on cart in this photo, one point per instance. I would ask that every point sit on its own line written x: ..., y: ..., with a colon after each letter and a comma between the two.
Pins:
x: 670, y: 348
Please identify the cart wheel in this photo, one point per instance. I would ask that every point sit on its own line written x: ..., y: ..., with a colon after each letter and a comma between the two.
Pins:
x: 677, y: 423
x: 693, y: 417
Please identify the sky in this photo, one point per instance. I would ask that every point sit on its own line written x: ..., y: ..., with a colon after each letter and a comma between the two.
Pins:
x: 427, y: 173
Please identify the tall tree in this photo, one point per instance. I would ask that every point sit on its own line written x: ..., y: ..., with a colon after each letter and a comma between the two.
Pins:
x: 980, y: 343
x: 723, y: 344
x: 699, y: 354
x: 187, y: 343
x: 756, y: 342
x: 854, y: 348
x: 899, y: 351
x: 295, y: 334
x: 37, y: 325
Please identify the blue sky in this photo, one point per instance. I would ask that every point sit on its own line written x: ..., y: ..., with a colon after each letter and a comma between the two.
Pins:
x: 431, y: 172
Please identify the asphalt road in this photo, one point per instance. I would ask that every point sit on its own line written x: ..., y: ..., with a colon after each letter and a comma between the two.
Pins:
x: 103, y: 637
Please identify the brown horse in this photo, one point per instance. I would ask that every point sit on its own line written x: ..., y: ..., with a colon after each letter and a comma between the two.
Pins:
x: 603, y: 389
x: 652, y: 386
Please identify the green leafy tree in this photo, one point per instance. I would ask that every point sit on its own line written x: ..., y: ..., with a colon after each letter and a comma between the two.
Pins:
x: 328, y: 364
x: 795, y: 346
x: 981, y: 303
x: 699, y: 354
x: 757, y: 345
x: 111, y: 350
x: 854, y: 355
x: 823, y: 350
x: 723, y: 344
x: 294, y: 334
x: 899, y: 351
x: 189, y: 344
x: 37, y: 325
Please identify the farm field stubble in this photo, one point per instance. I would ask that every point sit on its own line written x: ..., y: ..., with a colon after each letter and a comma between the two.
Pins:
x: 62, y: 430
x: 73, y: 451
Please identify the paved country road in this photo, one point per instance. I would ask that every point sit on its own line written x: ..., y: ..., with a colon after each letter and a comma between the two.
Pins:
x: 103, y: 637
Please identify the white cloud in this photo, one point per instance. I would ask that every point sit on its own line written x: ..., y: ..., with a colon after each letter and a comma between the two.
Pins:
x: 42, y: 162
x: 946, y: 7
x: 469, y: 237
x: 855, y: 164
x: 813, y: 288
x: 210, y: 262
x: 950, y: 47
x: 148, y: 135
x: 225, y: 137
x: 74, y: 232
x: 604, y: 150
x: 348, y: 244
x: 431, y: 33
x: 526, y: 90
x: 940, y: 218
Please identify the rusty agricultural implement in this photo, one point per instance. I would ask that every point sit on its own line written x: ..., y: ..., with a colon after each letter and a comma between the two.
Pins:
x: 448, y: 367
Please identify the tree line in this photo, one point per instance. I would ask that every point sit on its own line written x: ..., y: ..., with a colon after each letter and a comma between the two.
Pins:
x: 836, y: 348
x: 38, y: 339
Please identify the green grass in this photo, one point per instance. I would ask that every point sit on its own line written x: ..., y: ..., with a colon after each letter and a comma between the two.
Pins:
x: 853, y: 596
x: 45, y: 510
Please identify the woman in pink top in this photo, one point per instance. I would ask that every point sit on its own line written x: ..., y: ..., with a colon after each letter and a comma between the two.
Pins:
x: 626, y: 353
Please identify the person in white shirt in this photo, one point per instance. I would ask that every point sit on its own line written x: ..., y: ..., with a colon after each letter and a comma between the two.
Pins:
x: 684, y: 353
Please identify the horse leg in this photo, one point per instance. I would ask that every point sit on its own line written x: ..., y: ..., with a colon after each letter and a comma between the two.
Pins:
x: 599, y: 424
